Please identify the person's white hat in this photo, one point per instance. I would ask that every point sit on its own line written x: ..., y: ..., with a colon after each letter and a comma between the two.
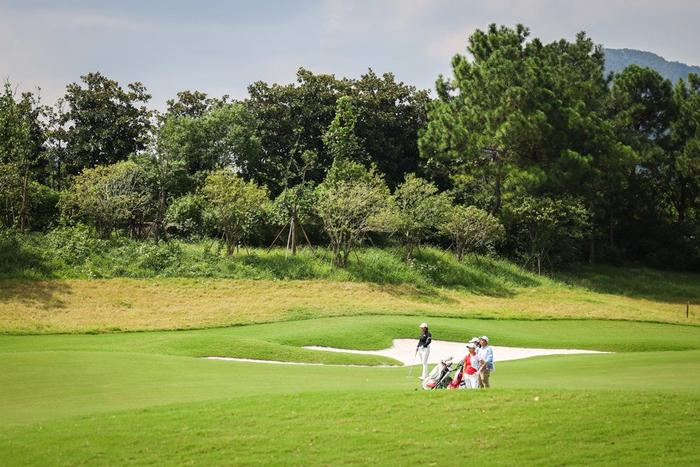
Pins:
x: 484, y: 338
x: 423, y: 325
x: 474, y: 340
x: 471, y: 345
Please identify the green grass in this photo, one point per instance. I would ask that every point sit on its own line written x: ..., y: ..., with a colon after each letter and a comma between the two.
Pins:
x: 114, y: 398
x: 67, y: 408
x: 141, y: 398
x: 73, y: 254
x: 40, y: 386
x: 377, y: 428
x: 636, y: 282
x: 283, y: 341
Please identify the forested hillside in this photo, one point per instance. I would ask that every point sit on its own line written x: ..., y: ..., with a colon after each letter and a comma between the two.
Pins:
x: 617, y: 60
x: 526, y: 151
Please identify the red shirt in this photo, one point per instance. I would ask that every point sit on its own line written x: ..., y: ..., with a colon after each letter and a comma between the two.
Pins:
x: 468, y: 364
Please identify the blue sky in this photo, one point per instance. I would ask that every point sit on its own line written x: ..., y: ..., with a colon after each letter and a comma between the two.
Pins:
x: 222, y: 46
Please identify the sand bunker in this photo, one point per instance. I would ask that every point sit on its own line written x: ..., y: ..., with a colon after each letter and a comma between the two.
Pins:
x: 403, y: 350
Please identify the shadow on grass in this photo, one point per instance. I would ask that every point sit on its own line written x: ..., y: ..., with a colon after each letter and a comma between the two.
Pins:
x: 276, y: 265
x: 20, y: 261
x: 650, y: 284
x: 444, y: 271
x: 42, y: 292
x: 429, y: 270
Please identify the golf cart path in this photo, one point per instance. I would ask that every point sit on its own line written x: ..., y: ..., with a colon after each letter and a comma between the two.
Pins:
x: 403, y: 350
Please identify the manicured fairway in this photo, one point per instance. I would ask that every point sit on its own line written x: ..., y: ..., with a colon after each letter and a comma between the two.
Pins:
x: 283, y: 341
x: 142, y: 398
x: 501, y: 427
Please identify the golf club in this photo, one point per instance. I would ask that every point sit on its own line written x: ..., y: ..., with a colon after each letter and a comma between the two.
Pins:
x: 410, y: 370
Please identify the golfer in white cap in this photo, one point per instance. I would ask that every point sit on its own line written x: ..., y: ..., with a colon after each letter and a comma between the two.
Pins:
x: 423, y: 348
x: 471, y: 368
x: 486, y: 366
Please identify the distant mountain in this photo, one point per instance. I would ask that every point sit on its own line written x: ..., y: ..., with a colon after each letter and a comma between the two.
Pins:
x: 617, y: 60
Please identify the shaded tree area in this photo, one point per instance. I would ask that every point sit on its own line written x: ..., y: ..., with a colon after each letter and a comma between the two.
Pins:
x: 528, y: 149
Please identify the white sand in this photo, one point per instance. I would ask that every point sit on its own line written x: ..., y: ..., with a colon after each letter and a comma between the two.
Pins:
x: 277, y: 362
x: 404, y: 349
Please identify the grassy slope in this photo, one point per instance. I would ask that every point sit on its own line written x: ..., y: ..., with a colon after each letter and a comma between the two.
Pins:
x: 377, y: 282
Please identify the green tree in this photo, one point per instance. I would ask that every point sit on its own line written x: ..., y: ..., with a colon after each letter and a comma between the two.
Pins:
x: 192, y: 104
x: 185, y: 215
x: 293, y: 119
x: 295, y: 205
x: 340, y: 140
x: 110, y: 197
x: 389, y: 116
x: 22, y: 154
x: 104, y: 123
x: 547, y: 229
x: 525, y: 118
x: 232, y: 206
x: 352, y: 201
x: 681, y: 168
x: 641, y: 109
x: 167, y: 178
x: 420, y: 211
x: 224, y: 136
x: 472, y: 230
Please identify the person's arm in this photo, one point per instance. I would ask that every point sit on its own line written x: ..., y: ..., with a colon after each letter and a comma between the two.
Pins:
x: 489, y: 357
x: 428, y: 339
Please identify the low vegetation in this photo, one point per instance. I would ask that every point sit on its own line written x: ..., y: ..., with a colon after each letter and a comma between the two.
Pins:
x: 67, y: 282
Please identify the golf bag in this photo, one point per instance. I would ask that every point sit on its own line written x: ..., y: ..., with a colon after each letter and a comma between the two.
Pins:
x: 439, y: 377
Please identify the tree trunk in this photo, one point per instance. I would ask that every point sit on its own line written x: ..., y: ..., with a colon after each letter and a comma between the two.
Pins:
x: 335, y: 260
x: 539, y: 265
x: 682, y: 203
x: 497, y: 193
x: 409, y: 250
x: 229, y: 244
x: 160, y: 222
x: 294, y: 234
x: 23, y: 208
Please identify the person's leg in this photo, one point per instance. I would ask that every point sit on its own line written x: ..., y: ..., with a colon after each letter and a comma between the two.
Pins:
x: 425, y: 351
x: 474, y: 381
x: 485, y: 378
x: 467, y: 384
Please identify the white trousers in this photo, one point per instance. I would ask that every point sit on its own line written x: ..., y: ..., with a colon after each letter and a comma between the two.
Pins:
x: 424, y: 352
x: 471, y: 381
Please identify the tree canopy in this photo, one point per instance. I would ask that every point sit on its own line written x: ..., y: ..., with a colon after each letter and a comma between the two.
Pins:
x: 527, y: 149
